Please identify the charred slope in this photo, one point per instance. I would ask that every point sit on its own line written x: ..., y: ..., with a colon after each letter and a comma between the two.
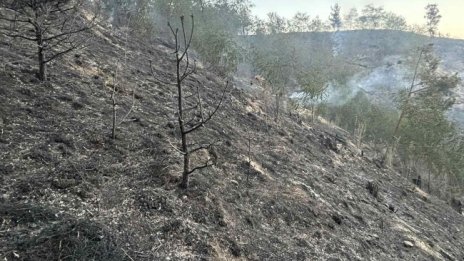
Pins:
x: 70, y: 192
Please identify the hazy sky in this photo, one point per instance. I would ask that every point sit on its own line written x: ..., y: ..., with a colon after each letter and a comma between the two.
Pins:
x: 413, y: 10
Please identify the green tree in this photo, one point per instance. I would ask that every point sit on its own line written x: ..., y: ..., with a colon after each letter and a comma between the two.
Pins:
x: 433, y: 17
x: 218, y: 26
x: 317, y: 25
x: 371, y: 17
x: 300, y: 22
x: 423, y: 124
x: 274, y: 57
x: 172, y: 9
x: 378, y: 118
x: 351, y: 19
x: 335, y: 18
x: 314, y: 84
x: 258, y: 26
x: 393, y: 21
x: 221, y: 51
x: 218, y: 42
x: 276, y: 24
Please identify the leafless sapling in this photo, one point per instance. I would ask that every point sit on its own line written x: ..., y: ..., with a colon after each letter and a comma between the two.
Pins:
x: 191, y: 112
x: 249, y: 157
x: 114, y: 104
x: 54, y: 26
x: 359, y: 131
x: 114, y: 90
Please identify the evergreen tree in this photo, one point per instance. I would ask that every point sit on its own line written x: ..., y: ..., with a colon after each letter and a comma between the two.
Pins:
x: 334, y: 18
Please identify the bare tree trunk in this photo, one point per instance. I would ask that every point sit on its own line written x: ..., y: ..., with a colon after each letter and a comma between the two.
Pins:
x: 114, y: 92
x: 312, y: 112
x: 249, y: 158
x: 183, y: 70
x: 41, y: 57
x: 430, y: 181
x: 277, y: 101
x: 446, y: 185
x: 180, y: 108
x: 42, y: 71
x: 113, y: 98
x: 185, y: 174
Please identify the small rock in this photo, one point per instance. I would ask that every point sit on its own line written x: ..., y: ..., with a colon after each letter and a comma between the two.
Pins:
x: 337, y: 219
x: 392, y: 208
x: 408, y: 243
x: 235, y: 249
x: 222, y: 223
x: 252, y: 116
x: 373, y: 188
x: 234, y: 182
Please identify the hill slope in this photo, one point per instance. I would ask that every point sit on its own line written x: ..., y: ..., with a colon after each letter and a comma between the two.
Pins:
x: 70, y: 192
x: 382, y: 56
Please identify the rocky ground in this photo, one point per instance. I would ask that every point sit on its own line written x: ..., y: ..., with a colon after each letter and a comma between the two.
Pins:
x: 70, y: 192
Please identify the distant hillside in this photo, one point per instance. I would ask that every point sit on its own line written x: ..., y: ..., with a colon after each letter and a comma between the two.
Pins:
x: 388, y: 48
x: 381, y: 56
x: 70, y: 192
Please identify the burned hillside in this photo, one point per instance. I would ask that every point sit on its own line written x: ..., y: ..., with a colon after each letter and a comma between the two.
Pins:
x: 289, y: 189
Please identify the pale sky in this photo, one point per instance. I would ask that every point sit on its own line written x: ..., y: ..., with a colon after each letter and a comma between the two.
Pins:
x: 452, y: 11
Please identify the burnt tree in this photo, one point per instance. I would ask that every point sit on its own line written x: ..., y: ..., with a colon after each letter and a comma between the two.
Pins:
x: 54, y: 26
x: 191, y: 112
